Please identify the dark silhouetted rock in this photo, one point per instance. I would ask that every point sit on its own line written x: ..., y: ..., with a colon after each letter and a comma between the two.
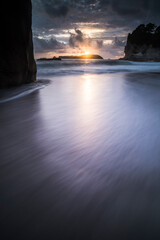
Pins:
x: 87, y: 56
x: 17, y: 64
x: 50, y: 59
x: 143, y: 44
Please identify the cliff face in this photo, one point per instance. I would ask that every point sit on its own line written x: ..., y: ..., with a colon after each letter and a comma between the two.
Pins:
x: 17, y: 64
x: 143, y: 44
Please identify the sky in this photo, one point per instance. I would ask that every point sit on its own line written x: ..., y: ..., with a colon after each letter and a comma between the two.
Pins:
x: 75, y: 27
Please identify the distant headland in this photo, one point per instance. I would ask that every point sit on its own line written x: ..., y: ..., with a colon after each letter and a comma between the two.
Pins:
x: 88, y: 56
x: 50, y: 59
x: 143, y: 44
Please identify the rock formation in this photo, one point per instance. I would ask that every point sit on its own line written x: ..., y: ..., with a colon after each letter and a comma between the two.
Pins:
x: 87, y: 56
x: 17, y: 64
x: 143, y: 44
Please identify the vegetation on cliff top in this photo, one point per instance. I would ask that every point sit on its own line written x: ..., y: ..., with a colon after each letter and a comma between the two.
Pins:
x: 143, y: 44
x: 145, y: 34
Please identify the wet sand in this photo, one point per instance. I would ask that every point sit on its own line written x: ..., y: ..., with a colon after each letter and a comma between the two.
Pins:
x: 80, y: 159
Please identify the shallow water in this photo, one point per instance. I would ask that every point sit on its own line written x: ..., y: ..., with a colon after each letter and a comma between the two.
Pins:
x: 80, y: 158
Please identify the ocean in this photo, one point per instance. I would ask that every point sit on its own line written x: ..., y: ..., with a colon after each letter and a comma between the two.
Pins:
x: 80, y: 152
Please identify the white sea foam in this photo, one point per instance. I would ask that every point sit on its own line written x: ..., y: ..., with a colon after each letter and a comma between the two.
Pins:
x: 72, y: 67
x: 50, y: 69
x: 17, y: 92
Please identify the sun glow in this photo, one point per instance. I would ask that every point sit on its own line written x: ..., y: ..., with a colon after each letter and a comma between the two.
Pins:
x: 87, y: 53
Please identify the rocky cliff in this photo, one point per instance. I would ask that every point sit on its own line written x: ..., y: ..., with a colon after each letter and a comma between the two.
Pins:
x: 17, y: 64
x: 143, y: 44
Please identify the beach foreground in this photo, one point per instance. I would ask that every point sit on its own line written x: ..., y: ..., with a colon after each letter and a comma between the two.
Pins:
x: 80, y: 158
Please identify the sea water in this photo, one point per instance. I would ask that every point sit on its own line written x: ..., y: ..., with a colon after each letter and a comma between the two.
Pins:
x: 80, y: 152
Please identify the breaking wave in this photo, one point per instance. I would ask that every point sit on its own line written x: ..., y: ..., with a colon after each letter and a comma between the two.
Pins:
x: 71, y: 67
x: 10, y: 94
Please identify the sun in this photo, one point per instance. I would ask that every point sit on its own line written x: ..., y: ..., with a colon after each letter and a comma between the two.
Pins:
x: 86, y: 53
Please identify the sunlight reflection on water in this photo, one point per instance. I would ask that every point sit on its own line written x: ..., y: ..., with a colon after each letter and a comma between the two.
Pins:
x: 80, y: 159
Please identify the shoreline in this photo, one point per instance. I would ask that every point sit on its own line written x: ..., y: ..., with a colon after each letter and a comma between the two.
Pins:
x: 10, y: 94
x: 139, y: 60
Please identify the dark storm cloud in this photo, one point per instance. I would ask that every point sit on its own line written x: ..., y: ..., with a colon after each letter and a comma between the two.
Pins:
x: 118, y: 42
x: 45, y: 45
x: 76, y: 38
x: 79, y: 39
x: 56, y: 7
x: 116, y: 17
x: 111, y: 12
x: 99, y: 43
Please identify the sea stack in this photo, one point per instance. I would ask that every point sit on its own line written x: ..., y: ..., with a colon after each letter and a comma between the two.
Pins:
x: 143, y: 44
x: 17, y: 64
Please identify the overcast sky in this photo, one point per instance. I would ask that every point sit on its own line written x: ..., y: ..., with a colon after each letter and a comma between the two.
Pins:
x: 94, y: 26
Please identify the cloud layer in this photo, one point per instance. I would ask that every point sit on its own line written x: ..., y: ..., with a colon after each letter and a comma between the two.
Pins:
x: 79, y: 40
x: 90, y: 22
